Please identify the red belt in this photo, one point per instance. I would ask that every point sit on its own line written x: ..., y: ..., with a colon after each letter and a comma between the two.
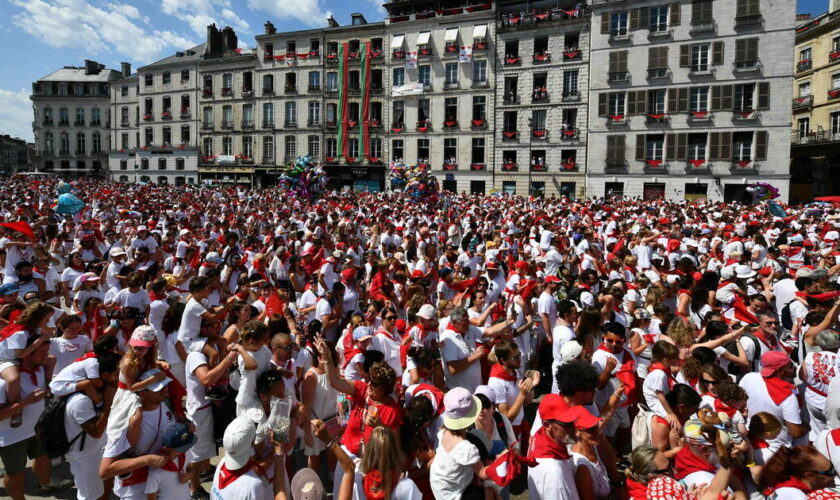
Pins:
x: 821, y: 393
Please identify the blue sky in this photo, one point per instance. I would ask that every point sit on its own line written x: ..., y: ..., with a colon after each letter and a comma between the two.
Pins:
x: 39, y: 36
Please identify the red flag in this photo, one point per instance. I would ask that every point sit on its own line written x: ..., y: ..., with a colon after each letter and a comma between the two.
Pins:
x: 21, y: 227
x: 618, y: 246
x: 274, y: 305
x: 743, y: 314
x: 508, y: 466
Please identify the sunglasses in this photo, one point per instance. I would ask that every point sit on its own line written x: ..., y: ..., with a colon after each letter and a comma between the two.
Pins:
x: 771, y: 322
x: 392, y: 318
x: 829, y: 472
x: 613, y: 341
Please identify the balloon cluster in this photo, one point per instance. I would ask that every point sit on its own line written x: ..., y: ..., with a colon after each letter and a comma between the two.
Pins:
x: 303, y: 178
x: 416, y: 181
x: 761, y: 191
x: 397, y: 175
x: 67, y: 203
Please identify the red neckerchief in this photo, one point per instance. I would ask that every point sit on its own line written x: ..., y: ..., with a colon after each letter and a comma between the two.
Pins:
x: 584, y: 286
x: 227, y: 476
x: 11, y: 329
x: 720, y: 406
x: 452, y: 327
x: 88, y: 355
x: 499, y: 372
x: 759, y: 443
x: 687, y: 462
x: 348, y: 355
x: 153, y: 296
x: 650, y: 338
x: 374, y: 484
x: 33, y: 374
x: 683, y: 291
x: 770, y: 342
x: 801, y: 295
x: 637, y: 491
x: 778, y: 389
x: 791, y: 482
x: 626, y: 374
x: 659, y: 366
x: 543, y: 446
x: 172, y: 466
x: 386, y: 333
x: 78, y: 268
x: 723, y: 284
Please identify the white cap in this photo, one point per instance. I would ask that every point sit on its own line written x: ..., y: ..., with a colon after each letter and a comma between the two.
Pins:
x: 117, y: 251
x: 427, y: 311
x: 570, y: 351
x: 157, y: 386
x: 238, y: 438
x: 744, y: 272
x: 213, y: 257
x: 183, y: 232
x: 142, y: 228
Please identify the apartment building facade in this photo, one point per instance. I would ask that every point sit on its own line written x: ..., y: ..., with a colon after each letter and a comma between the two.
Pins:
x: 441, y: 85
x: 541, y: 98
x: 815, y: 138
x: 14, y: 155
x: 72, y: 120
x: 687, y: 98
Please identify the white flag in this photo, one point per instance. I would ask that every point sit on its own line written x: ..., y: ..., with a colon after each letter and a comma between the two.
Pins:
x: 411, y: 60
x: 465, y: 55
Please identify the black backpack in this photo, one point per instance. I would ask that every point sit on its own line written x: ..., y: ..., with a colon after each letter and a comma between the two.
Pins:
x: 739, y: 371
x: 787, y: 319
x: 50, y: 429
x: 574, y: 294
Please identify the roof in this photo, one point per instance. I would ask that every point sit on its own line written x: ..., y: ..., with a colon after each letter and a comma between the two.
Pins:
x: 74, y: 74
x: 191, y: 55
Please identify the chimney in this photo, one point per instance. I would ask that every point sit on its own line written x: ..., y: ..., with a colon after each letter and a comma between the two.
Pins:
x: 269, y: 28
x: 332, y: 23
x: 214, y: 41
x: 91, y: 67
x: 230, y: 43
x: 125, y: 69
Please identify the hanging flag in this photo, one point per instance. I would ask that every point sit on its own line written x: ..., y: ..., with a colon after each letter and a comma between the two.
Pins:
x: 341, y: 116
x: 465, y: 54
x: 364, y: 130
x: 411, y: 60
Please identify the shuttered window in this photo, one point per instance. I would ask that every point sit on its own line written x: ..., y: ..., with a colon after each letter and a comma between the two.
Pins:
x: 747, y: 8
x: 746, y: 50
x: 763, y: 95
x: 701, y: 11
x: 618, y: 61
x: 658, y: 58
x: 675, y: 14
x: 761, y: 145
x: 717, y: 53
x: 615, y: 150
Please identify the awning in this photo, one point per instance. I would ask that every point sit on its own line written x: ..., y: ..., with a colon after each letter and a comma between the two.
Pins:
x: 398, y: 41
x: 423, y: 37
x: 479, y: 31
x: 451, y: 35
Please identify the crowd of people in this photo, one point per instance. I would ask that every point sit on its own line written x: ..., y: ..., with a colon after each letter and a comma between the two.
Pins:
x: 386, y: 346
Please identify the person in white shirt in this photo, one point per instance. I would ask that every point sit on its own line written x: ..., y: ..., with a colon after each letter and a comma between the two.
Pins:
x: 169, y: 482
x: 71, y: 345
x: 554, y: 476
x: 235, y: 477
x: 547, y: 305
x: 461, y: 353
x: 817, y: 372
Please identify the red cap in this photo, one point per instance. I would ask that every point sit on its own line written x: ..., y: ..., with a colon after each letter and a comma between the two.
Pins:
x: 552, y: 279
x: 772, y: 361
x: 552, y: 407
x: 400, y: 325
x: 348, y: 274
x: 520, y: 264
x: 579, y: 416
x: 416, y: 274
x: 491, y: 265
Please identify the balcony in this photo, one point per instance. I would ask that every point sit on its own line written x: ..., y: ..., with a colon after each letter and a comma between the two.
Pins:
x: 540, y: 97
x: 746, y: 66
x: 352, y: 123
x: 510, y: 99
x: 424, y: 52
x: 207, y: 126
x: 166, y: 115
x: 655, y: 166
x: 185, y: 113
x: 79, y: 123
x: 512, y: 60
x: 803, y: 65
x: 834, y: 56
x: 332, y: 59
x: 290, y: 124
x: 538, y: 166
x: 423, y: 126
x: 658, y: 74
x: 700, y: 117
x: 743, y: 166
x: 451, y: 49
x: 122, y: 123
x: 544, y: 16
x: 478, y: 124
x: 64, y: 123
x: 227, y: 91
x: 268, y: 124
x: 569, y: 164
x: 542, y: 58
x: 620, y: 36
x: 657, y: 118
x: 510, y: 166
x: 375, y: 124
x: 480, y: 84
x: 247, y: 93
x: 479, y: 45
x: 572, y: 55
x: 659, y: 32
x: 227, y: 124
x: 450, y: 86
x: 803, y: 102
x: 95, y: 123
x: 570, y: 134
x: 450, y: 165
x: 540, y: 134
x: 206, y: 92
x: 398, y: 54
x: 376, y: 53
x: 247, y: 124
x: 290, y: 89
x: 397, y: 127
x: 618, y: 77
x: 615, y: 166
x: 49, y: 123
x: 833, y: 94
x: 510, y: 135
x: 745, y: 115
x: 313, y: 88
x: 700, y: 27
x: 753, y: 21
x: 313, y: 124
x: 268, y: 56
x: 268, y: 91
x: 572, y: 96
x: 616, y: 120
x: 148, y: 117
x: 330, y: 124
x: 697, y: 165
x: 478, y: 166
x: 450, y: 124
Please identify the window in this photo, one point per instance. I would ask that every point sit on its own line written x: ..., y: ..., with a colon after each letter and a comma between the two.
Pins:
x: 451, y: 73
x: 615, y: 150
x: 512, y: 48
x: 314, y: 144
x: 291, y: 82
x: 314, y: 45
x: 509, y: 187
x: 124, y: 141
x: 654, y: 147
x: 95, y: 118
x: 63, y: 116
x: 330, y: 148
x: 569, y: 119
x: 268, y: 84
x: 804, y: 126
x: 227, y: 146
x: 332, y: 81
x: 747, y: 8
x: 227, y: 116
x: 314, y: 80
x: 185, y: 75
x: 450, y: 109
x: 49, y: 145
x: 618, y: 66
x: 424, y: 75
x: 290, y: 148
x: 616, y: 104
x: 375, y: 112
x: 144, y: 164
x: 570, y: 82
x: 658, y: 20
x: 290, y: 113
x: 479, y: 72
x: 330, y: 114
x: 268, y: 114
x: 167, y: 78
x: 207, y: 122
x: 80, y: 116
x: 268, y: 149
x: 618, y: 23
x: 80, y: 144
x: 227, y: 82
x: 700, y: 57
x: 149, y: 138
x: 804, y: 89
x: 353, y: 148
x: 399, y: 112
x: 450, y: 151
x: 477, y: 155
x: 696, y: 146
x: 656, y: 101
x: 538, y: 119
x: 701, y: 12
x: 185, y: 134
x: 148, y: 79
x: 398, y: 77
x: 161, y: 163
x: 743, y: 97
x: 208, y: 146
x: 540, y: 45
x: 123, y: 164
x: 314, y: 113
x: 698, y: 99
x: 805, y: 55
x: 509, y: 121
x: 398, y: 149
x: 835, y: 81
x: 742, y: 146
x: 247, y: 115
x: 247, y: 147
x: 64, y: 144
x: 479, y: 107
x: 835, y: 123
x: 746, y: 53
x: 422, y: 150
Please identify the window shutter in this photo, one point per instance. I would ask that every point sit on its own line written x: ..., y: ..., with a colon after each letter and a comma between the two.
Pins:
x: 641, y: 101
x: 622, y: 61
x: 670, y: 147
x: 634, y: 19
x: 605, y: 23
x: 715, y: 104
x: 761, y: 145
x: 717, y: 53
x: 741, y: 8
x: 602, y: 104
x: 685, y: 56
x: 682, y: 105
x: 740, y: 50
x: 610, y: 149
x: 696, y: 11
x: 675, y: 14
x: 631, y: 103
x: 726, y: 98
x: 751, y: 49
x: 619, y: 149
x: 682, y: 146
x: 726, y: 146
x: 640, y: 147
x: 672, y: 100
x: 644, y: 18
x: 714, y: 146
x: 663, y: 57
x: 613, y: 62
x: 653, y: 58
x: 753, y: 7
x: 763, y: 95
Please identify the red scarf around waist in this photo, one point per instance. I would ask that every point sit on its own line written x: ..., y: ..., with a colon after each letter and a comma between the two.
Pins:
x: 545, y: 447
x: 687, y: 462
x: 790, y: 482
x: 778, y: 389
x: 227, y: 476
x: 499, y: 371
x: 10, y: 329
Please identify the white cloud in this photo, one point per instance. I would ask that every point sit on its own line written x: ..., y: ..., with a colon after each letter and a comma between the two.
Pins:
x: 16, y: 114
x: 78, y: 24
x: 307, y: 12
x: 201, y: 13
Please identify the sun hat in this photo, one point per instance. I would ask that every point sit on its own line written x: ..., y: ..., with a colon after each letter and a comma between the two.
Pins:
x: 238, y: 438
x: 641, y: 314
x: 744, y: 272
x: 143, y: 336
x: 460, y: 409
x: 693, y: 432
x: 177, y: 436
x: 306, y: 485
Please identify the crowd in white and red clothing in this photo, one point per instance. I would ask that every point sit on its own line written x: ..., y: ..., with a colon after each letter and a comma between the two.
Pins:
x: 390, y: 348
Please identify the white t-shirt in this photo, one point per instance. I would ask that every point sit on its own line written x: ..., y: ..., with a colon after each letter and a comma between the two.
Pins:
x: 80, y: 410
x: 308, y: 299
x: 248, y: 379
x: 66, y: 351
x: 506, y: 391
x: 452, y: 471
x: 9, y: 435
x: 390, y: 347
x: 656, y: 381
x: 139, y: 299
x: 547, y: 305
x: 552, y: 479
x: 599, y: 361
x: 195, y: 389
x: 759, y: 400
x: 248, y: 486
x: 166, y: 483
x: 191, y: 320
x: 13, y: 343
x: 74, y: 372
x: 458, y: 347
x: 157, y: 310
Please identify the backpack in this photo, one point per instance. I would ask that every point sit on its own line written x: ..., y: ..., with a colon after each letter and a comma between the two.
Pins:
x: 787, y: 319
x: 50, y: 429
x: 574, y: 294
x: 739, y: 371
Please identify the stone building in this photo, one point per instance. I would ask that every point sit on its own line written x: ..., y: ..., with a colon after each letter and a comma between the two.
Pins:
x: 14, y: 155
x: 72, y: 119
x: 689, y: 99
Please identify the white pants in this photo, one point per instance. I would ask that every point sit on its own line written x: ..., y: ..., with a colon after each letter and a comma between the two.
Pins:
x: 205, y: 446
x: 85, y: 472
